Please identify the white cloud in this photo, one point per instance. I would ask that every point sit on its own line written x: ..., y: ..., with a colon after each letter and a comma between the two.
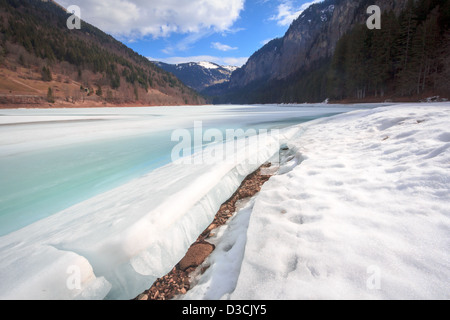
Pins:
x: 232, y: 31
x: 287, y: 11
x: 158, y: 18
x: 264, y: 42
x: 223, y: 61
x: 234, y: 61
x: 222, y: 47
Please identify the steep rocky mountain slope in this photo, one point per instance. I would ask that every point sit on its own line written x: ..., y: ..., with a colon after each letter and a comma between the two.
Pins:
x: 303, y: 66
x: 312, y: 36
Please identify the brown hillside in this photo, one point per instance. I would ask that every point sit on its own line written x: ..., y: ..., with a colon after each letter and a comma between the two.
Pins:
x: 43, y: 63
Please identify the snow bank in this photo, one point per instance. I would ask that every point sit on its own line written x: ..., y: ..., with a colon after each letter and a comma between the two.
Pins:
x: 225, y: 261
x: 359, y: 210
x: 365, y: 216
x: 116, y: 244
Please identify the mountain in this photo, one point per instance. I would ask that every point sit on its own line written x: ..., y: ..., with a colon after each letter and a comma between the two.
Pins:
x: 199, y: 75
x: 328, y: 52
x: 42, y: 62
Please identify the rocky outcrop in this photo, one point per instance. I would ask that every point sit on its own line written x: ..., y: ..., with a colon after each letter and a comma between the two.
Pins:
x: 196, y: 254
x: 313, y: 36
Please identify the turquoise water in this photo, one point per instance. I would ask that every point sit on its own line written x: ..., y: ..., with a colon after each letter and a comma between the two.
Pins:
x: 37, y: 184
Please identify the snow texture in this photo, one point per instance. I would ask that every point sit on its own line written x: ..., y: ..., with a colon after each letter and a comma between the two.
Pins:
x: 230, y: 68
x: 208, y: 65
x: 364, y: 216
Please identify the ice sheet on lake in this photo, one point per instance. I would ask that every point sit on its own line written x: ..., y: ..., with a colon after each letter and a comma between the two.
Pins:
x: 122, y: 240
x: 51, y: 159
x: 119, y: 241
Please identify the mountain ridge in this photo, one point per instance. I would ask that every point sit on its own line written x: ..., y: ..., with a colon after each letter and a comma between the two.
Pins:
x: 312, y: 36
x: 302, y: 66
x: 199, y: 75
x: 43, y: 63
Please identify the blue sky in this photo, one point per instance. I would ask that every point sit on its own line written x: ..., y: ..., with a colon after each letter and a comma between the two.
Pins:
x: 226, y: 32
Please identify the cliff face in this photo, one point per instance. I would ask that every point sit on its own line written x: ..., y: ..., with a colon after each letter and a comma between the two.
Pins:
x: 312, y: 36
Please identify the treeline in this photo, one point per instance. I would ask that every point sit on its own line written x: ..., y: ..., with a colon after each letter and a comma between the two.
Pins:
x: 408, y: 57
x: 40, y: 27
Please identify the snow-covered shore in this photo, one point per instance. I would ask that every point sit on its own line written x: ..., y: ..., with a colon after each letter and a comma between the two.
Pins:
x: 364, y: 215
x: 359, y: 209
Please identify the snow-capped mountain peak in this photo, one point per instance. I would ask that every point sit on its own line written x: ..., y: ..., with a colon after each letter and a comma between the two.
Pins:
x: 199, y: 75
x: 208, y: 65
x: 230, y: 68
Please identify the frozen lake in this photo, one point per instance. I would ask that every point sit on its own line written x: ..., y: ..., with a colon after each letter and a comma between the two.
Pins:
x: 51, y: 159
x: 93, y: 194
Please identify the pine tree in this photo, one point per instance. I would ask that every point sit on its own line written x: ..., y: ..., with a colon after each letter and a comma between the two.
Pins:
x: 46, y: 74
x: 337, y: 76
x: 443, y: 78
x: 109, y: 96
x: 50, y: 97
x: 407, y: 30
x: 424, y: 51
x: 357, y: 66
x: 21, y: 60
x: 99, y: 91
x: 2, y: 55
x: 136, y: 93
x: 382, y: 55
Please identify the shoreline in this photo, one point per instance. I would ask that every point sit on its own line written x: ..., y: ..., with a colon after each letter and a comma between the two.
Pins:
x: 87, y: 106
x: 177, y: 281
x: 96, y: 104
